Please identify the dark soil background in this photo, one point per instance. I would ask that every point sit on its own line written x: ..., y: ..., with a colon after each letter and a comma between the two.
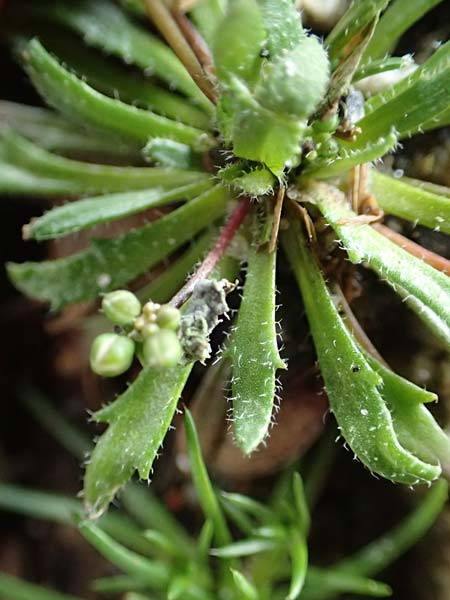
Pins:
x: 354, y: 507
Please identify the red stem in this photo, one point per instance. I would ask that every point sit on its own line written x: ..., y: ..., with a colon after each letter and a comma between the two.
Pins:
x: 214, y: 255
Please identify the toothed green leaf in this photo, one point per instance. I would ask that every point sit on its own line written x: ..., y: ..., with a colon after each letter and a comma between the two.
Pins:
x: 353, y: 387
x: 283, y: 25
x: 138, y: 421
x: 78, y: 101
x: 110, y: 263
x: 398, y: 197
x: 239, y: 41
x: 389, y: 261
x: 414, y: 425
x: 349, y: 157
x: 82, y: 214
x: 115, y: 81
x: 52, y: 132
x: 28, y: 169
x: 104, y: 25
x: 254, y: 353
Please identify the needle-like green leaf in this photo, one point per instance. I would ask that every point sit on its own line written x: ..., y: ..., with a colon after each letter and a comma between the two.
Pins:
x: 398, y: 197
x: 25, y: 168
x: 245, y: 588
x: 254, y: 353
x: 109, y: 263
x: 353, y: 387
x: 82, y: 214
x: 80, y: 102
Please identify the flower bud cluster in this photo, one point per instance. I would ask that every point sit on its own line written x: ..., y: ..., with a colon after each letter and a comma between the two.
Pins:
x: 149, y: 332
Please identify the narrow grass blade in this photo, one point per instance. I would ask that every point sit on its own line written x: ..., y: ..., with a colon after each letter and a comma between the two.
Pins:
x: 79, y: 102
x: 117, y: 584
x: 353, y: 387
x: 300, y: 504
x: 398, y: 18
x: 298, y: 551
x: 155, y: 574
x: 60, y: 509
x: 37, y: 172
x: 414, y: 203
x: 358, y: 16
x: 382, y: 552
x: 13, y: 588
x: 86, y: 213
x: 324, y: 584
x: 109, y: 263
x: 138, y: 421
x: 245, y: 588
x: 254, y: 353
x: 205, y: 492
x: 247, y: 547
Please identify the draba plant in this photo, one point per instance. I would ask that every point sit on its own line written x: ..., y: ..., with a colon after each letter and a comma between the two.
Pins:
x: 246, y: 550
x: 258, y: 131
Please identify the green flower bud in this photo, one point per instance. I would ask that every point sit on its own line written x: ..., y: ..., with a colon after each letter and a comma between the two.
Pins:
x: 327, y: 126
x: 162, y: 349
x: 150, y: 309
x: 121, y: 307
x: 168, y: 317
x: 111, y: 354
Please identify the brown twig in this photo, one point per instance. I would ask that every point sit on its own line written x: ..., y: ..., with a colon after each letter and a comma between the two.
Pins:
x: 197, y: 43
x: 276, y: 218
x: 166, y: 24
x: 226, y: 235
x: 431, y: 258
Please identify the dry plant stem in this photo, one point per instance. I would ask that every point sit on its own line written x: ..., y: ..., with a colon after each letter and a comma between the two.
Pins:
x: 435, y: 260
x: 304, y: 216
x: 166, y: 24
x: 356, y: 328
x: 197, y: 43
x: 355, y: 187
x: 276, y: 218
x: 214, y: 255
